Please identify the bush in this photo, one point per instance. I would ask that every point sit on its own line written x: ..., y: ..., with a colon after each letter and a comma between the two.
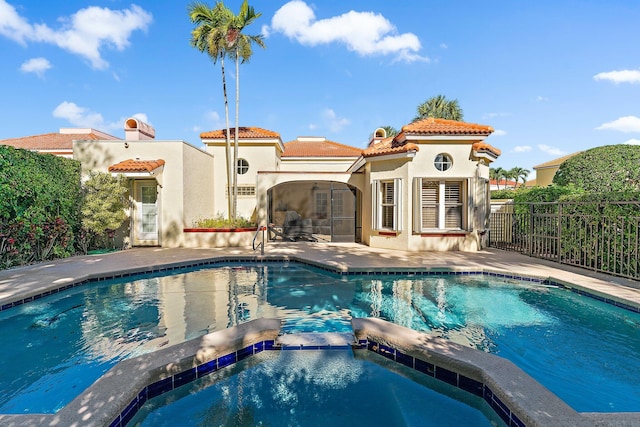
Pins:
x: 39, y: 206
x: 220, y: 221
x: 103, y: 209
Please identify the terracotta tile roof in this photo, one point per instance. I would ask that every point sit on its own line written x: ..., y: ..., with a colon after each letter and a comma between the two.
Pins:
x: 319, y: 147
x: 49, y: 141
x: 389, y: 146
x: 243, y: 132
x: 481, y: 146
x: 433, y: 126
x: 131, y: 165
x: 555, y: 162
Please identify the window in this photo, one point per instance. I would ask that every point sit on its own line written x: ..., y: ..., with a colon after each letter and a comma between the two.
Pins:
x: 439, y: 205
x: 443, y: 162
x: 243, y: 190
x: 322, y: 204
x: 387, y: 205
x: 242, y: 166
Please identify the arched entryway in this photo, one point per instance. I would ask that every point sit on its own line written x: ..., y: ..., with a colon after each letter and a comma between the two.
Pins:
x: 315, y: 211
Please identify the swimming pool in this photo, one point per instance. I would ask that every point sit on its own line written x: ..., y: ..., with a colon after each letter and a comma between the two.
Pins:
x: 296, y: 388
x: 57, y: 346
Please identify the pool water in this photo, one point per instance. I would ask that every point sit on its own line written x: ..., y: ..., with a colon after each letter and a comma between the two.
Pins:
x: 585, y: 351
x: 315, y: 387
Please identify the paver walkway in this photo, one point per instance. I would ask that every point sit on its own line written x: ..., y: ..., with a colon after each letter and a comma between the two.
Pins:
x: 19, y: 283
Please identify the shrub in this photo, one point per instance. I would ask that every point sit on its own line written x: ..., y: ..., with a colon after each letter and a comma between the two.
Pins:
x: 39, y: 206
x: 220, y: 221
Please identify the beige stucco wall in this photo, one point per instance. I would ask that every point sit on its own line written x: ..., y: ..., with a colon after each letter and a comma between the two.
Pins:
x: 185, y: 183
x: 325, y: 164
x: 544, y: 176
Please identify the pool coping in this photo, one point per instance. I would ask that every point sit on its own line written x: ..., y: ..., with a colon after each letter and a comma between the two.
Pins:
x: 513, y: 395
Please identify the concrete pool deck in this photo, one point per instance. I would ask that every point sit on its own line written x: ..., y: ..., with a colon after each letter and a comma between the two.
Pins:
x: 20, y: 283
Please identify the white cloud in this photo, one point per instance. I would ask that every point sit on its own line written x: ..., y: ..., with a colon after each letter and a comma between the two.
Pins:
x: 313, y: 126
x: 522, y: 148
x: 551, y: 150
x: 78, y: 116
x: 632, y: 141
x: 499, y: 132
x: 541, y: 98
x: 365, y: 33
x: 623, y: 124
x: 493, y: 115
x: 84, y: 33
x: 335, y: 123
x: 621, y: 76
x: 444, y: 46
x: 38, y: 66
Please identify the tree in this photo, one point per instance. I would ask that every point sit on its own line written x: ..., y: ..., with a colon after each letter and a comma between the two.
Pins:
x: 239, y: 46
x: 611, y: 168
x: 209, y: 36
x: 498, y: 174
x: 517, y: 173
x: 439, y: 107
x: 103, y: 206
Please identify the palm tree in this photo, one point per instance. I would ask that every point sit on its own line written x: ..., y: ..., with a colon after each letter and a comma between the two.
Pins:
x: 498, y: 174
x: 518, y: 172
x: 439, y: 107
x: 209, y: 36
x: 239, y: 47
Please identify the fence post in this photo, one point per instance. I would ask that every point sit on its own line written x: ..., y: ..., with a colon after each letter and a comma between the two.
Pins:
x: 559, y: 242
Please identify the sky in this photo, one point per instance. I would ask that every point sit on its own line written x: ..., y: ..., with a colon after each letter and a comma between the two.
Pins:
x: 552, y: 77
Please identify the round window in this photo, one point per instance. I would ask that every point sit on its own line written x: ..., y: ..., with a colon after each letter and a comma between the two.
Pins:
x: 242, y: 166
x: 443, y: 162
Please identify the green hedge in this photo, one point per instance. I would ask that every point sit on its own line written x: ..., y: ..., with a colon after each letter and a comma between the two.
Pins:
x: 39, y: 206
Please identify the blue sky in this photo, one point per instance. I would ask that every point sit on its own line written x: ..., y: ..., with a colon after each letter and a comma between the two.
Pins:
x: 551, y: 77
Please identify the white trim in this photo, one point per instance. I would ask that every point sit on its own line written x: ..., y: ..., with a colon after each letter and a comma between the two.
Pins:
x: 475, y: 138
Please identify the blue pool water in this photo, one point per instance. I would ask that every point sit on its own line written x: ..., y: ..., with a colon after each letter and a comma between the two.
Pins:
x: 302, y: 388
x: 585, y: 351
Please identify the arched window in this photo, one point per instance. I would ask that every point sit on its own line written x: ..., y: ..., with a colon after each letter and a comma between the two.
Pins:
x: 242, y: 166
x: 443, y: 162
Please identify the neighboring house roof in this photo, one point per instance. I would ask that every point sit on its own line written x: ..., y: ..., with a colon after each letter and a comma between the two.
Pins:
x: 389, y: 146
x: 483, y: 147
x: 54, y: 141
x: 431, y: 126
x: 555, y: 162
x: 244, y: 132
x: 131, y: 165
x: 531, y: 183
x: 318, y: 147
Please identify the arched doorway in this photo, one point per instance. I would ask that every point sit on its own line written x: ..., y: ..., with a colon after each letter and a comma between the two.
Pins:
x: 315, y: 211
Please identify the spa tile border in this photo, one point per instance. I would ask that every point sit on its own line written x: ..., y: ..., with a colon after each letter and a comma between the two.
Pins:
x: 330, y: 269
x: 448, y: 376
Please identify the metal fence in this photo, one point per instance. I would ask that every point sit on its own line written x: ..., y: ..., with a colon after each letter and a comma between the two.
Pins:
x: 603, y: 237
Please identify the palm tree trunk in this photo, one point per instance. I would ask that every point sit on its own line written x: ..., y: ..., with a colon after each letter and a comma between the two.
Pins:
x: 227, y: 137
x: 235, y: 140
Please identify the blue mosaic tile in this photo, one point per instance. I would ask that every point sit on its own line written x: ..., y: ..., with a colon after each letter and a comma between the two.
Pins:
x: 206, y: 368
x: 258, y: 347
x: 245, y: 352
x: 516, y: 422
x: 386, y: 351
x: 116, y: 422
x: 127, y: 414
x: 488, y: 395
x: 226, y: 360
x: 447, y: 376
x: 270, y: 345
x: 424, y: 367
x: 159, y: 387
x: 291, y: 347
x: 404, y: 359
x: 184, y: 377
x: 142, y: 397
x: 502, y: 412
x: 470, y: 385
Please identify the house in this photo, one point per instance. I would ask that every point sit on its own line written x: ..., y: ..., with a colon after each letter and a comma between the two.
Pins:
x: 59, y: 144
x: 426, y: 188
x: 546, y: 171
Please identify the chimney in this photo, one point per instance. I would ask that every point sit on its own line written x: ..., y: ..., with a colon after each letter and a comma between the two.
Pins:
x: 135, y: 130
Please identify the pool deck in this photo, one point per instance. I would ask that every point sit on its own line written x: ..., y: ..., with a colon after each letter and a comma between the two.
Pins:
x: 17, y: 284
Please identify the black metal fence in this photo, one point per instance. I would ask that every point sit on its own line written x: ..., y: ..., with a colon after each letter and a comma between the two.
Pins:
x: 602, y: 237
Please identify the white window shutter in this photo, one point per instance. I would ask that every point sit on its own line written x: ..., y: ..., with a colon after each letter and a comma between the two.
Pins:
x: 397, y: 211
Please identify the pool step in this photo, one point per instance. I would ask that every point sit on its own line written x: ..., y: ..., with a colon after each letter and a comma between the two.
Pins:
x: 316, y: 340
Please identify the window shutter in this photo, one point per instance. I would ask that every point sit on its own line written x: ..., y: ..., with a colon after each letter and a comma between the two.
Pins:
x: 397, y: 207
x: 417, y: 205
x: 375, y: 202
x: 429, y: 195
x: 453, y: 205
